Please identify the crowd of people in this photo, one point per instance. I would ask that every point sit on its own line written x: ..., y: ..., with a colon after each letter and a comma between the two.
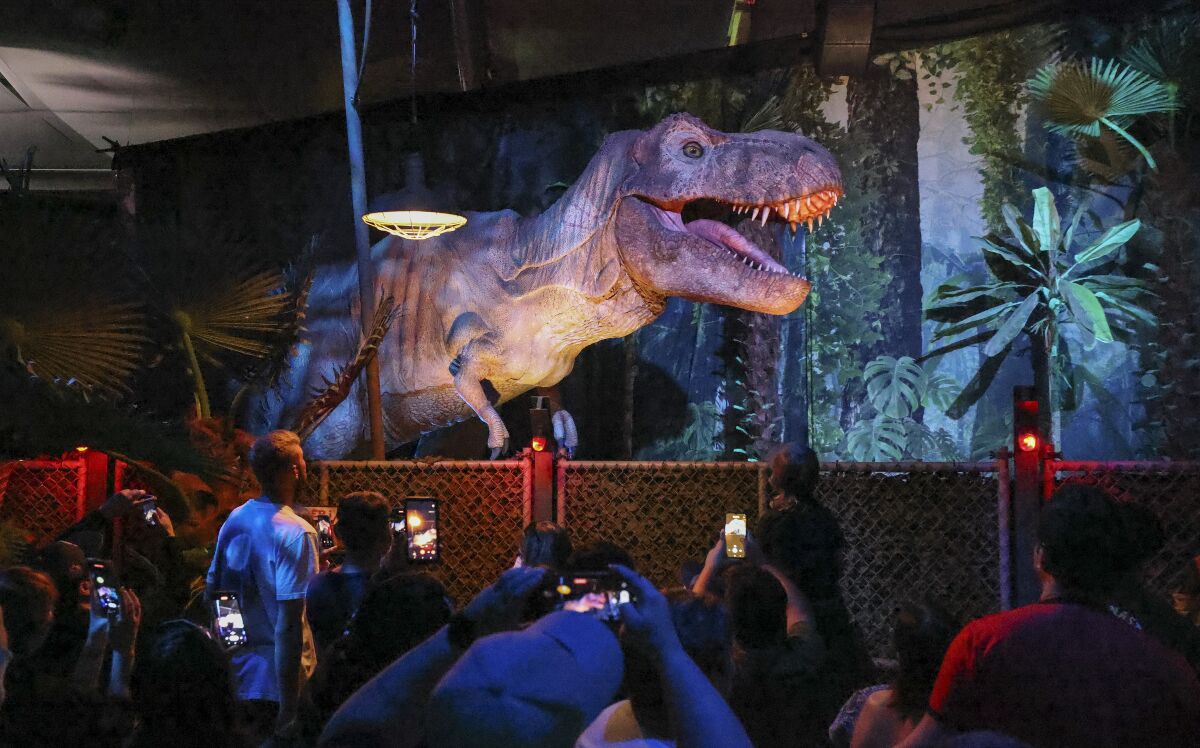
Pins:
x: 759, y: 650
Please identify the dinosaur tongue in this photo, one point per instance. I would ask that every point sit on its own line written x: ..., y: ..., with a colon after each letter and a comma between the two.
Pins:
x: 723, y: 236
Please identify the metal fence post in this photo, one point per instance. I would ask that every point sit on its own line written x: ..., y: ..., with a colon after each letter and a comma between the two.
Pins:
x: 1003, y: 528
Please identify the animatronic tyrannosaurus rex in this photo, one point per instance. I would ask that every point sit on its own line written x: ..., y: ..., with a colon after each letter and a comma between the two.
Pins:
x: 506, y: 303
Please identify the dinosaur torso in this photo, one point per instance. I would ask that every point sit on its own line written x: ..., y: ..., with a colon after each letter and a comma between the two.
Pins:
x: 506, y: 303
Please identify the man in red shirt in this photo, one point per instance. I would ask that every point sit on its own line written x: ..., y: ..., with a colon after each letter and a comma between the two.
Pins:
x: 1067, y: 671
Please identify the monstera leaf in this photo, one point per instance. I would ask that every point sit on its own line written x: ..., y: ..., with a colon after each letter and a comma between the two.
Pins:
x: 895, y: 386
x: 1079, y: 98
x: 877, y: 437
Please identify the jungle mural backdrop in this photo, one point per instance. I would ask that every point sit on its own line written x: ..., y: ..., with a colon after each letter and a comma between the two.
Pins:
x: 1020, y: 208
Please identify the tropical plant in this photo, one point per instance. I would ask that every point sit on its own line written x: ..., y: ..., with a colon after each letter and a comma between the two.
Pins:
x: 64, y: 317
x: 697, y: 440
x: 1040, y: 285
x: 897, y: 389
x: 1081, y: 97
x: 219, y: 305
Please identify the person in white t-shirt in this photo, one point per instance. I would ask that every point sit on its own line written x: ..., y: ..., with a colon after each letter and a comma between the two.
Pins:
x: 267, y: 554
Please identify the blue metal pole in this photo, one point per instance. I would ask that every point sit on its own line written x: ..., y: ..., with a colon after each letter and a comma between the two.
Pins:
x: 362, y: 237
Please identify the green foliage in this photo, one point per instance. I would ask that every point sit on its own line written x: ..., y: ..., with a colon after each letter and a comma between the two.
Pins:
x: 990, y: 72
x: 1039, y: 284
x: 897, y: 389
x: 697, y: 440
x: 1080, y: 97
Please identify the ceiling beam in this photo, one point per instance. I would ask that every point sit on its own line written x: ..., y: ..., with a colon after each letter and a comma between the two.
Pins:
x: 847, y: 27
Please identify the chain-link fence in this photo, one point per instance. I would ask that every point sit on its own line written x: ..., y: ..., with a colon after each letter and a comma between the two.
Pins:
x: 1171, y: 490
x: 912, y: 529
x: 43, y: 497
x: 918, y: 530
x: 663, y: 513
x: 481, y: 515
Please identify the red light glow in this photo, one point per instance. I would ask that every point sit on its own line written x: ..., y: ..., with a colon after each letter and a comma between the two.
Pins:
x: 81, y: 448
x: 538, y: 444
x: 1028, y: 442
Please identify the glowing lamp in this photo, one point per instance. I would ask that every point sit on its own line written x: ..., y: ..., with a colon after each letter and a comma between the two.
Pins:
x: 414, y: 521
x: 408, y: 214
x: 1028, y: 442
x: 81, y: 448
x: 538, y: 444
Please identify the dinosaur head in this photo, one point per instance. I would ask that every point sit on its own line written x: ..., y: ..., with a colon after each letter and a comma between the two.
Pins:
x: 690, y: 183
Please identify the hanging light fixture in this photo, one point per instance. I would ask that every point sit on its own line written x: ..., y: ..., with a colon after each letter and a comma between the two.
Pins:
x: 411, y: 213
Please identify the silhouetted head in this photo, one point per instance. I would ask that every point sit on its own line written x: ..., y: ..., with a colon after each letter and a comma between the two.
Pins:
x: 794, y: 470
x: 27, y: 597
x: 923, y: 633
x: 545, y: 544
x: 1089, y: 542
x: 757, y: 604
x: 598, y: 555
x: 362, y: 522
x: 183, y: 684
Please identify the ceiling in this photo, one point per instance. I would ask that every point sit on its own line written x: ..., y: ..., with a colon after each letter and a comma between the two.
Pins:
x: 75, y: 72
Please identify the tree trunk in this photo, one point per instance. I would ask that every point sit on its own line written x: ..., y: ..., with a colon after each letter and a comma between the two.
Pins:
x: 885, y: 110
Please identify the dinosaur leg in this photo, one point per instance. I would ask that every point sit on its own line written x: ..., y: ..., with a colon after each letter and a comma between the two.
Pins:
x: 468, y: 382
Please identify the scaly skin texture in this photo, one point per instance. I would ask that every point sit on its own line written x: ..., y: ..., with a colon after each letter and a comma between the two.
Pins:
x: 506, y: 303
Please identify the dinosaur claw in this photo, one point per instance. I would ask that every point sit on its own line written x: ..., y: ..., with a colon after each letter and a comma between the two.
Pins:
x: 501, y: 451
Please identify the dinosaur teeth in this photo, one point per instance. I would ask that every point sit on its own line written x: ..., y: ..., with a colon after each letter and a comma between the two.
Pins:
x: 810, y: 228
x: 787, y: 209
x: 754, y: 216
x: 765, y: 215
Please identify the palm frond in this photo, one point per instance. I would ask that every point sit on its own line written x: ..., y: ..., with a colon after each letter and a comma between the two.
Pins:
x: 93, y: 344
x: 1079, y: 98
x: 767, y: 117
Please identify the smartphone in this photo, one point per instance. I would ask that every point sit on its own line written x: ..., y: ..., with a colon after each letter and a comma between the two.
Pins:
x: 106, y: 588
x: 421, y: 528
x: 397, y: 520
x: 735, y: 535
x: 227, y: 619
x: 600, y: 593
x: 149, y: 507
x: 324, y: 530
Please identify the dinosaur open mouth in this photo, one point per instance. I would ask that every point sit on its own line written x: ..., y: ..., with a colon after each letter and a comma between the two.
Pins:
x: 713, y: 219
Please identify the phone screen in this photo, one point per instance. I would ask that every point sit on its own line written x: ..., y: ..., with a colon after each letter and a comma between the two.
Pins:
x: 735, y: 535
x: 325, y: 531
x: 598, y: 593
x: 106, y: 588
x: 397, y: 520
x: 421, y: 527
x: 150, y: 511
x: 227, y: 617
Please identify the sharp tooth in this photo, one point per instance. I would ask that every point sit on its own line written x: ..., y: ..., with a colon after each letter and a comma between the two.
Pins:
x: 765, y: 215
x: 819, y: 219
x: 754, y: 216
x: 810, y: 226
x: 787, y: 209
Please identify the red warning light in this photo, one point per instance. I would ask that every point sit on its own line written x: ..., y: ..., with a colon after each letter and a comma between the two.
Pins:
x: 538, y: 444
x: 1028, y: 442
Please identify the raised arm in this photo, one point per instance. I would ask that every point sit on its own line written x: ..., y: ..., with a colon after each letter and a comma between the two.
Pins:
x: 386, y: 709
x: 702, y: 717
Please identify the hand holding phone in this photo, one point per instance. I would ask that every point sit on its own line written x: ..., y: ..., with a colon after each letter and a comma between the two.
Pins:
x: 600, y: 593
x: 228, y: 623
x: 106, y: 588
x: 735, y: 535
x: 324, y: 531
x: 421, y: 528
x: 149, y: 509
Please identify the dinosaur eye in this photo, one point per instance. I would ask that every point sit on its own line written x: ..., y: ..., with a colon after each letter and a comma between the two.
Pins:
x: 692, y: 149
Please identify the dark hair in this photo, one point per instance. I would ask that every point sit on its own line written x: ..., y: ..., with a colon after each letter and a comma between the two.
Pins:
x: 545, y: 544
x: 28, y: 597
x: 702, y: 625
x: 794, y: 471
x: 597, y: 555
x: 272, y: 454
x: 396, y: 614
x: 1090, y: 542
x: 922, y: 635
x: 64, y: 562
x: 757, y: 603
x: 362, y: 520
x: 182, y: 687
